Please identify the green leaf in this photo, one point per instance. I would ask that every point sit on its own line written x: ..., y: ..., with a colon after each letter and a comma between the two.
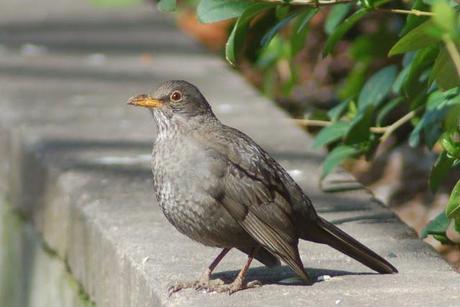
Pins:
x: 453, y: 205
x: 269, y: 55
x: 444, y: 72
x: 342, y: 29
x: 443, y: 239
x: 331, y: 133
x: 354, y: 81
x: 367, y: 47
x: 412, y: 20
x: 453, y: 3
x: 277, y: 27
x: 415, y: 39
x: 432, y: 135
x: 413, y: 84
x: 282, y: 11
x: 305, y: 18
x: 377, y: 87
x: 440, y: 169
x: 300, y: 30
x: 209, y: 11
x: 235, y: 41
x: 336, y: 16
x: 360, y: 126
x: 387, y: 108
x: 444, y: 16
x: 452, y: 120
x: 400, y: 79
x: 437, y: 226
x: 167, y: 5
x: 437, y: 107
x: 258, y: 26
x: 336, y: 156
x: 337, y: 111
x: 449, y: 142
x: 457, y: 225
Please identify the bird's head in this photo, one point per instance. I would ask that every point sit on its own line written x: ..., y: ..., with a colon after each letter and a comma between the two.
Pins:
x: 174, y: 100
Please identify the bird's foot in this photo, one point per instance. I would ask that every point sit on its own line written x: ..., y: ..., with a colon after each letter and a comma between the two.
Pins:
x: 215, y: 285
x: 181, y: 285
x: 200, y: 284
x: 237, y: 285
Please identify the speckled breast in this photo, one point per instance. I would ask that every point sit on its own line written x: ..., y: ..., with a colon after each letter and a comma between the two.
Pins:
x: 187, y: 182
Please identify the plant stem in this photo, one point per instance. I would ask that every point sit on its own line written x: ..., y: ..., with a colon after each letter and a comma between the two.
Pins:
x: 390, y: 129
x: 453, y: 52
x: 386, y: 131
x: 312, y: 122
x: 314, y: 3
x: 326, y: 123
x: 407, y: 12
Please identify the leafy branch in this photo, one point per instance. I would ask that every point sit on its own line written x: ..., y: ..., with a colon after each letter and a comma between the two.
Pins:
x: 385, y: 131
x: 406, y: 12
x: 318, y: 3
x: 424, y: 79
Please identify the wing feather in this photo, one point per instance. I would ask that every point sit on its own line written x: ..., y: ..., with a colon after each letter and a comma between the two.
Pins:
x: 255, y: 195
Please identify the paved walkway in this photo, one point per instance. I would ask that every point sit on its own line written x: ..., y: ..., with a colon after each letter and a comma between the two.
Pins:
x: 75, y: 162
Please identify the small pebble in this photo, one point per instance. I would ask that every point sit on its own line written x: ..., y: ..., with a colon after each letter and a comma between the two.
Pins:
x: 324, y: 277
x: 32, y: 50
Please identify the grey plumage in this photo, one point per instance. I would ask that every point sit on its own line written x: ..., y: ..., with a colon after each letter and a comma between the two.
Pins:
x: 218, y: 187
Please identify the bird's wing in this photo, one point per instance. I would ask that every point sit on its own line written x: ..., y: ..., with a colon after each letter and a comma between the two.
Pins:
x: 255, y: 195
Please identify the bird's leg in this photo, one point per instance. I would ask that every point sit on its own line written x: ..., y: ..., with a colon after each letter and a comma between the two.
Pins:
x: 239, y: 282
x: 203, y: 282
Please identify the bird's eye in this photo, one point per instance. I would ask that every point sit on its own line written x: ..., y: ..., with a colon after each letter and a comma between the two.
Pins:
x: 176, y: 96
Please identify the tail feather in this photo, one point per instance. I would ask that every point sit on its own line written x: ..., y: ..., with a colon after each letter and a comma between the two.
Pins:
x: 338, y: 239
x: 297, y: 266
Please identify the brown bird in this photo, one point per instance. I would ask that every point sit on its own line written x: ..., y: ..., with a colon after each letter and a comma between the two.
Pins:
x: 218, y: 187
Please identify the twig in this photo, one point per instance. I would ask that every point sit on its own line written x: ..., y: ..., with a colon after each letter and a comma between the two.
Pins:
x: 313, y: 122
x: 314, y: 3
x: 390, y: 129
x: 453, y: 52
x: 406, y: 12
x: 385, y: 131
x: 326, y: 123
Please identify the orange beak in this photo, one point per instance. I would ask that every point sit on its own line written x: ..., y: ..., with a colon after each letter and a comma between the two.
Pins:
x: 144, y: 101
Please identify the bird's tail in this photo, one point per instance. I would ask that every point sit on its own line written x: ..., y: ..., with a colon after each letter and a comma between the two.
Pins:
x: 338, y: 239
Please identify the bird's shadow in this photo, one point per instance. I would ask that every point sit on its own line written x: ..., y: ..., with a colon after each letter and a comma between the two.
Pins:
x: 282, y: 275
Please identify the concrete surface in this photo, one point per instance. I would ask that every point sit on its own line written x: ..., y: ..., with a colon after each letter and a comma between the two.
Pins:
x: 30, y: 273
x: 75, y: 164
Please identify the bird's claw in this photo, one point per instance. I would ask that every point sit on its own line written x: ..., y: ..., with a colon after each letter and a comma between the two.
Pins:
x: 180, y: 286
x: 201, y: 284
x: 235, y: 286
x: 216, y: 285
x: 238, y: 286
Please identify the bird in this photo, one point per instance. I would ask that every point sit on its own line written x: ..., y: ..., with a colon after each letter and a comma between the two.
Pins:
x: 217, y: 186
